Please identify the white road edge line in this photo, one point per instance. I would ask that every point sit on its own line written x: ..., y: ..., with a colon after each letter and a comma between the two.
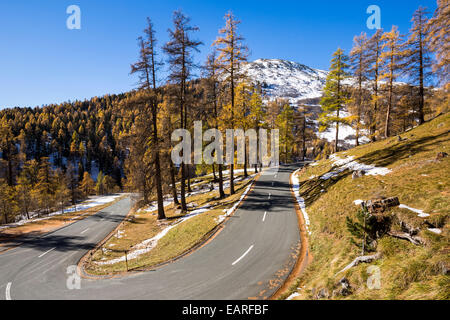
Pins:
x: 46, y: 252
x: 84, y: 231
x: 264, y: 218
x: 8, y: 291
x: 251, y: 247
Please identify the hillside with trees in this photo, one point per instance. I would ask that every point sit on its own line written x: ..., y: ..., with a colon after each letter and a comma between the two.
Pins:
x: 56, y: 155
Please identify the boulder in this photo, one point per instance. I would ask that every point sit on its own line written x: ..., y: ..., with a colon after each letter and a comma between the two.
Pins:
x: 380, y: 205
x: 441, y: 155
x: 358, y: 174
x: 344, y: 289
x: 323, y: 293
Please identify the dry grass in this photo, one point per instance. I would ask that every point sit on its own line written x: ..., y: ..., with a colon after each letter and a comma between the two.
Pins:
x: 419, y: 181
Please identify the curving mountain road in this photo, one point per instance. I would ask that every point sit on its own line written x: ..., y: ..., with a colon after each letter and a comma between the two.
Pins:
x: 250, y: 258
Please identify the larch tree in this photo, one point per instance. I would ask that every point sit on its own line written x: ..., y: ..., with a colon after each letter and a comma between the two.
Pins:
x: 285, y: 123
x: 418, y: 57
x: 374, y: 54
x: 25, y: 198
x: 212, y: 97
x: 179, y: 49
x: 335, y: 95
x: 8, y: 204
x: 359, y: 62
x: 87, y: 185
x: 257, y: 114
x: 438, y: 37
x: 232, y: 53
x: 391, y: 64
x: 303, y: 115
x: 146, y: 67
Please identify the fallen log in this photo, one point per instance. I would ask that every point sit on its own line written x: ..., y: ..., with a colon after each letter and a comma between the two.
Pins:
x: 406, y: 236
x: 362, y: 259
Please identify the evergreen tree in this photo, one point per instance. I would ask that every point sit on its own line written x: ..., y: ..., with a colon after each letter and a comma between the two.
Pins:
x: 335, y: 95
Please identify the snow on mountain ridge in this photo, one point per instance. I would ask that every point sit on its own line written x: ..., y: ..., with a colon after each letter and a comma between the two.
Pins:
x: 287, y: 79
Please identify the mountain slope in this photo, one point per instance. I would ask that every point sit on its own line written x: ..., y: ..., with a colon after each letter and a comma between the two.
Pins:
x: 287, y: 79
x: 408, y: 169
x: 296, y: 82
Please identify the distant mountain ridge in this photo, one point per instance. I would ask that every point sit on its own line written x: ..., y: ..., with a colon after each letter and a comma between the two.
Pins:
x: 287, y: 79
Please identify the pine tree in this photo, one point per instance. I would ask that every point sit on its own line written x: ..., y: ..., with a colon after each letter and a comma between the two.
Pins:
x: 179, y: 49
x: 391, y: 58
x: 335, y: 95
x: 418, y: 59
x: 232, y: 53
x: 359, y: 61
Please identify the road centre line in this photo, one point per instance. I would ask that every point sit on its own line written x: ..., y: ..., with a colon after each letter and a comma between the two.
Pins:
x: 248, y: 250
x: 46, y: 252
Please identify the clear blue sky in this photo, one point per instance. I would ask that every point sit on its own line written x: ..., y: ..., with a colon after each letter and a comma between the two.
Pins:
x: 42, y: 62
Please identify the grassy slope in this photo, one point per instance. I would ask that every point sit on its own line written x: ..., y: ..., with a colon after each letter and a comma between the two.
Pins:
x: 407, y: 271
x: 178, y: 240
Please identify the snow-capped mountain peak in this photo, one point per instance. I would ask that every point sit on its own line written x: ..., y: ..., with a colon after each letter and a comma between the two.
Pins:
x: 286, y: 79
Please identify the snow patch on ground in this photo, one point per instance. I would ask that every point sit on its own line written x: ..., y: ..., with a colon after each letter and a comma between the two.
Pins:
x: 292, y: 296
x: 352, y: 165
x: 300, y: 200
x: 435, y: 230
x: 420, y: 212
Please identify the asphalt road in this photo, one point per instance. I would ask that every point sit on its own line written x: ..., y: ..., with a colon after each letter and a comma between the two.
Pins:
x: 249, y: 258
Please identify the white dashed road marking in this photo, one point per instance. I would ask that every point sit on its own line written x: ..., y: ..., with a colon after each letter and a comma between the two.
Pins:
x: 8, y: 291
x: 46, y: 252
x: 248, y: 250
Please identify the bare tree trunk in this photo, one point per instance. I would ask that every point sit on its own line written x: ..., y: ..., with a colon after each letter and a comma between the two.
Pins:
x: 173, y: 183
